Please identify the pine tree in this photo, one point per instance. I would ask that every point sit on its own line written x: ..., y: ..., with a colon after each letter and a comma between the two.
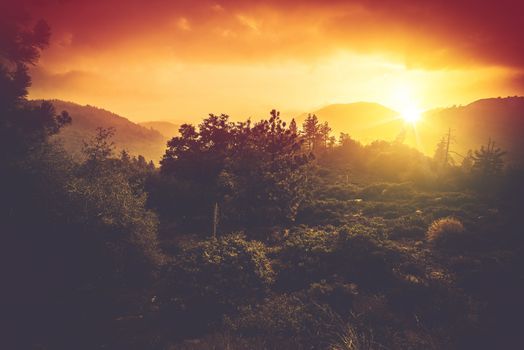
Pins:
x: 310, y: 129
x: 293, y: 127
x: 324, y: 132
x: 488, y: 162
x: 467, y: 162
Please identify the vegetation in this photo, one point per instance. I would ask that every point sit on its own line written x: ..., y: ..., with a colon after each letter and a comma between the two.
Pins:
x: 443, y: 231
x: 250, y: 235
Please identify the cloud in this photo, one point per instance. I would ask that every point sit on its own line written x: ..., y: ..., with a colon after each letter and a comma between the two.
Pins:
x: 154, y: 56
x: 183, y: 24
x: 52, y: 82
x: 421, y: 33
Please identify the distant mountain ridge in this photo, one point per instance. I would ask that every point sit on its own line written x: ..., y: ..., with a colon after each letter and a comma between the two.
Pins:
x: 130, y: 136
x: 499, y: 119
x: 167, y: 129
x: 365, y: 121
x: 472, y: 125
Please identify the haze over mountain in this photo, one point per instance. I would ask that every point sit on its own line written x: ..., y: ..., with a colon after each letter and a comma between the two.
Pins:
x: 472, y: 125
x: 498, y: 119
x: 132, y: 137
x: 364, y: 121
x: 167, y: 129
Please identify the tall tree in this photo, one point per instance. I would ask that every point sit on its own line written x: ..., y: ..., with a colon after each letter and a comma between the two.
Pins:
x: 22, y: 126
x: 310, y: 130
x: 324, y: 132
x: 293, y: 126
x: 255, y: 172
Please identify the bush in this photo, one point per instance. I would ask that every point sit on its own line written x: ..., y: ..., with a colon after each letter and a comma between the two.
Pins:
x: 408, y: 227
x: 211, y: 278
x: 307, y: 255
x: 326, y: 212
x: 357, y: 252
x: 445, y: 232
x: 340, y: 192
x: 399, y: 191
x: 374, y: 191
x: 303, y: 324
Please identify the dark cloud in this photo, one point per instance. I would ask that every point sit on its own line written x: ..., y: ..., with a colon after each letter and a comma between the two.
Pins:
x: 422, y: 33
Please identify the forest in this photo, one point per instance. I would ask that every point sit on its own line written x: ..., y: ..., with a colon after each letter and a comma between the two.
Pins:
x: 249, y: 235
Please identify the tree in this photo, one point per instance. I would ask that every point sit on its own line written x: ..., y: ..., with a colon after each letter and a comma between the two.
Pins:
x: 310, y: 130
x: 324, y: 132
x: 255, y: 172
x: 19, y: 48
x: 488, y: 162
x: 73, y: 236
x: 316, y: 135
x: 441, y: 157
x: 22, y: 126
x: 467, y: 162
x: 293, y: 127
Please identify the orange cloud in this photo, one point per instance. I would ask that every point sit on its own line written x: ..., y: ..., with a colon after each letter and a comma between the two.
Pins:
x: 244, y: 57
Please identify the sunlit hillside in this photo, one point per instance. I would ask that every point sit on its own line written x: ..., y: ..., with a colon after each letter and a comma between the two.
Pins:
x: 472, y: 125
x: 167, y: 129
x: 498, y: 119
x: 364, y: 121
x: 132, y: 137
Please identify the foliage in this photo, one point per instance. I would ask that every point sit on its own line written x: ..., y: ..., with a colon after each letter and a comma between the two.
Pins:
x: 488, y: 164
x: 256, y: 173
x: 305, y: 324
x: 355, y: 252
x: 445, y: 232
x: 212, y: 277
x: 83, y: 266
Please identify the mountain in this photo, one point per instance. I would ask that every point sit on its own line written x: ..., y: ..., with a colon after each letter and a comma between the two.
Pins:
x: 167, y: 129
x: 364, y: 121
x: 134, y: 138
x: 472, y: 125
x: 498, y: 119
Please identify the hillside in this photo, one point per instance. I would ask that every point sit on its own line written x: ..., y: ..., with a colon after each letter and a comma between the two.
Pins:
x: 501, y: 119
x: 167, y: 129
x: 134, y: 138
x: 362, y: 120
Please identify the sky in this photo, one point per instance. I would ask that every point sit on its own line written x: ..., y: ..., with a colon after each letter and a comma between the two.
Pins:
x: 180, y: 60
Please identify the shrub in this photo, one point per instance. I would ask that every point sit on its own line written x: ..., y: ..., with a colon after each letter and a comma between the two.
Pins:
x: 357, y: 252
x: 399, y: 191
x: 326, y: 212
x: 293, y: 317
x: 444, y: 232
x: 338, y: 191
x: 408, y: 227
x: 307, y: 255
x: 211, y: 278
x: 374, y: 191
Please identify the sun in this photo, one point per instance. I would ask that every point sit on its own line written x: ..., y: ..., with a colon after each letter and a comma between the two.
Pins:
x: 411, y: 114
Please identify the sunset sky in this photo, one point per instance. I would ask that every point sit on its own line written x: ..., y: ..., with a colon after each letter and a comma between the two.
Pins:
x: 180, y: 60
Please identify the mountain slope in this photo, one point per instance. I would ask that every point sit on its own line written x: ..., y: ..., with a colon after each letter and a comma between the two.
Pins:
x: 364, y: 121
x: 167, y: 129
x: 499, y: 119
x: 134, y: 138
